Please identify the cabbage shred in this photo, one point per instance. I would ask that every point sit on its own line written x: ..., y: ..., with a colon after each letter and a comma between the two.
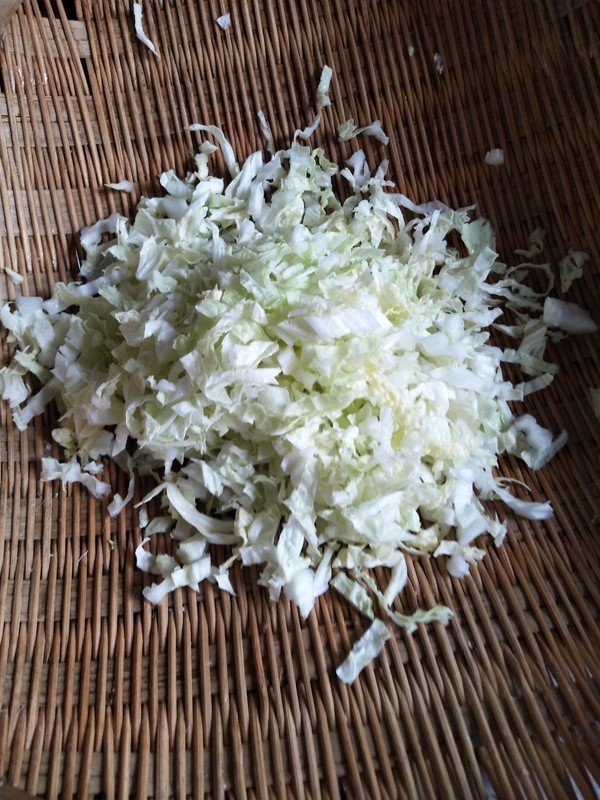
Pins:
x: 316, y: 371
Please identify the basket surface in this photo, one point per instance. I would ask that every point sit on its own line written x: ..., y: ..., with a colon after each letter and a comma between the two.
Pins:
x: 101, y: 694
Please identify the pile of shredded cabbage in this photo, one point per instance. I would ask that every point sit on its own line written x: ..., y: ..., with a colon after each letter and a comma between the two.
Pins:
x: 310, y: 381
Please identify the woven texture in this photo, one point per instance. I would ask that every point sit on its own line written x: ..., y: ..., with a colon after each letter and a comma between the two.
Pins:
x: 101, y: 694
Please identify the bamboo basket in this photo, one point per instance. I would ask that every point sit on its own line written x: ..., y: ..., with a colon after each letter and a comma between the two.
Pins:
x: 102, y: 695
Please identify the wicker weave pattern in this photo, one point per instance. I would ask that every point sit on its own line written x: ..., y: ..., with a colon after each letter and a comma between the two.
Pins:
x: 99, y: 692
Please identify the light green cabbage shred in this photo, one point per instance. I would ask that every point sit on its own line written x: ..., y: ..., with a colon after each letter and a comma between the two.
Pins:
x: 354, y: 593
x: 363, y: 651
x: 139, y: 28
x: 316, y: 371
x: 570, y: 268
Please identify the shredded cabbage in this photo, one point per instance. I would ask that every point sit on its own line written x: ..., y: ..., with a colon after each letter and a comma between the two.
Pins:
x: 569, y: 317
x: 354, y: 593
x: 121, y: 186
x: 571, y: 268
x: 407, y: 621
x: 349, y: 130
x: 224, y: 21
x: 323, y: 88
x: 316, y: 371
x: 15, y: 277
x: 535, y: 244
x: 139, y: 28
x: 494, y: 157
x: 364, y: 651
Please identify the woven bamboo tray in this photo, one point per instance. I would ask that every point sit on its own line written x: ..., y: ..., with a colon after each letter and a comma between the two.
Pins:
x: 211, y: 695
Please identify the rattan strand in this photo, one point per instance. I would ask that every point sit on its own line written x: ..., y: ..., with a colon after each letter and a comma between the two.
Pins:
x: 102, y: 695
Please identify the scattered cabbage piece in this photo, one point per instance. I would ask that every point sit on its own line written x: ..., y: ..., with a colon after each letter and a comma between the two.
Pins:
x: 408, y: 622
x: 13, y: 387
x: 72, y: 472
x: 535, y: 244
x: 571, y: 268
x: 494, y: 157
x: 439, y: 64
x: 410, y: 50
x: 306, y: 133
x: 536, y: 241
x: 569, y: 317
x: 364, y: 651
x: 15, y: 277
x: 460, y: 556
x: 92, y: 234
x: 537, y: 446
x: 354, y: 593
x: 139, y: 29
x: 349, y: 130
x: 224, y: 21
x: 121, y: 186
x: 397, y: 582
x: 316, y: 372
x: 323, y: 87
x: 266, y: 132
